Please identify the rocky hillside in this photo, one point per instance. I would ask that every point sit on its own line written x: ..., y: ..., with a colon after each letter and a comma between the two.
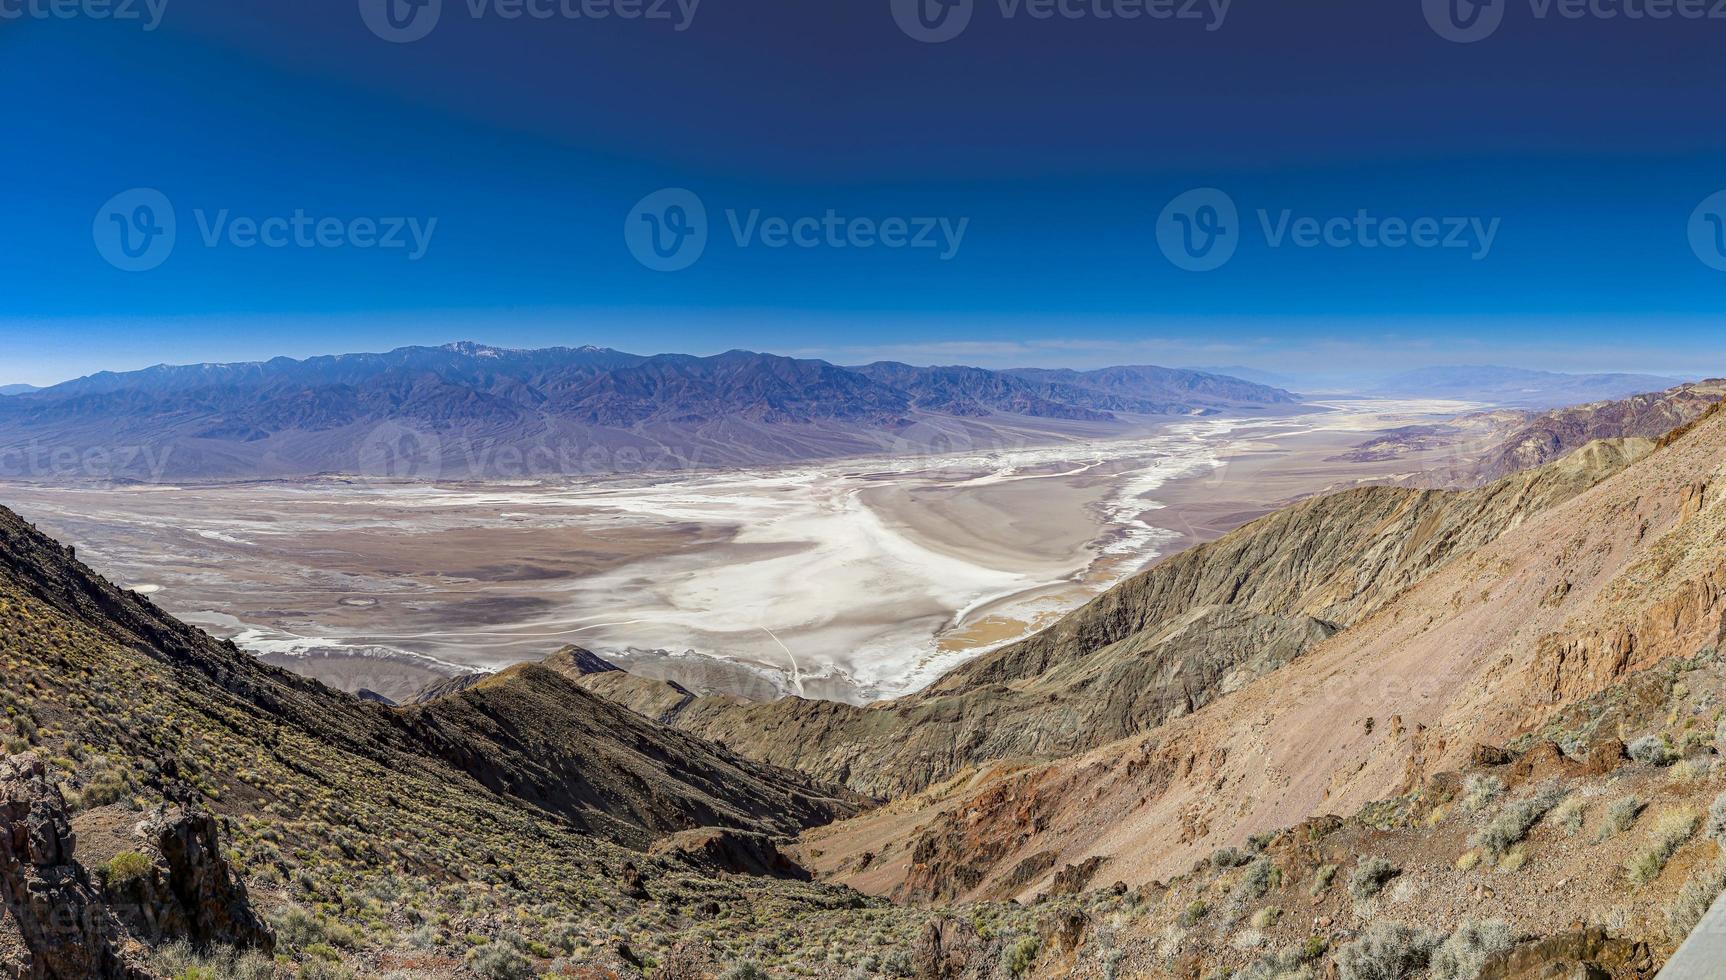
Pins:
x: 504, y: 825
x: 1487, y: 647
x: 470, y: 411
x: 1159, y: 646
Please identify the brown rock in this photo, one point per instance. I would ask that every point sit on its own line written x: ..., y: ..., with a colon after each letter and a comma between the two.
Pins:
x: 191, y: 892
x: 67, y: 932
x: 949, y: 949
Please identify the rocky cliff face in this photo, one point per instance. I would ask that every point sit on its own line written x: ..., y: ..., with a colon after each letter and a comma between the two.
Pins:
x: 66, y: 930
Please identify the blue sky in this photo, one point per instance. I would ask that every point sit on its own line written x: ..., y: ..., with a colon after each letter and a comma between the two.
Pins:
x: 1585, y: 145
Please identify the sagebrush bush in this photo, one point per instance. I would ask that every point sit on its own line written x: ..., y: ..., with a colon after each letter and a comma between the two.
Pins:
x: 1654, y: 750
x: 1388, y: 951
x: 1569, y: 815
x: 1696, y: 897
x: 1461, y: 956
x: 1260, y: 877
x: 1479, y: 790
x: 1514, y: 822
x: 1621, y: 816
x: 1322, y: 878
x: 501, y: 961
x: 1229, y: 857
x: 1717, y: 819
x: 1669, y: 834
x: 1370, y: 876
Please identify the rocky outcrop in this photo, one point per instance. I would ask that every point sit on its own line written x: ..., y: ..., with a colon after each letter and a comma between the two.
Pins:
x: 737, y: 852
x: 190, y: 891
x: 66, y: 929
x: 951, y: 949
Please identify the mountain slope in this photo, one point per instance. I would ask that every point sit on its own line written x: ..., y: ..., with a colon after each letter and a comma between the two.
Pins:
x: 325, y: 798
x: 1494, y: 644
x: 1156, y: 647
x: 470, y: 411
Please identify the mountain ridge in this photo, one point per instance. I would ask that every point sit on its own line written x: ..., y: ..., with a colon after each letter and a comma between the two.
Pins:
x: 468, y: 410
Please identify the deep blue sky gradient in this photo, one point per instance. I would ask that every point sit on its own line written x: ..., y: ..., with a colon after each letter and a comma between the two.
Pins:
x: 1060, y: 141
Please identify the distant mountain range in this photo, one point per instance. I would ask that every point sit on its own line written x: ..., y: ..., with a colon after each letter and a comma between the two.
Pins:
x: 1518, y: 386
x: 466, y: 410
x: 17, y: 389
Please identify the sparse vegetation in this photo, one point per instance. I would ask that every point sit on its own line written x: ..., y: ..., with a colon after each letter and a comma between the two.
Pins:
x: 1669, y: 834
x: 1021, y: 954
x: 1195, y: 911
x: 1717, y: 819
x: 500, y: 961
x: 1621, y: 816
x: 1370, y: 876
x: 1696, y: 897
x: 1512, y: 823
x: 1322, y: 878
x: 1230, y: 857
x: 1461, y: 956
x: 124, y: 869
x: 1653, y: 750
x: 1479, y: 790
x: 1569, y: 815
x: 1388, y: 951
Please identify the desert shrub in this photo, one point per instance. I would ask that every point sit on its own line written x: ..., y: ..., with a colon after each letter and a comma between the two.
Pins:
x: 1468, y: 861
x: 1260, y: 877
x: 1461, y: 956
x: 1370, y: 876
x: 1322, y: 878
x: 1654, y: 750
x: 1669, y: 834
x: 501, y: 961
x: 1717, y: 818
x: 1229, y: 857
x: 1514, y: 821
x: 1695, y: 898
x: 1018, y: 957
x: 1621, y: 816
x: 1686, y: 771
x: 1570, y: 814
x: 1191, y: 915
x: 1266, y: 917
x: 125, y: 869
x: 322, y: 969
x: 1286, y: 965
x: 745, y: 970
x: 1478, y: 791
x: 1720, y: 736
x: 1388, y: 951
